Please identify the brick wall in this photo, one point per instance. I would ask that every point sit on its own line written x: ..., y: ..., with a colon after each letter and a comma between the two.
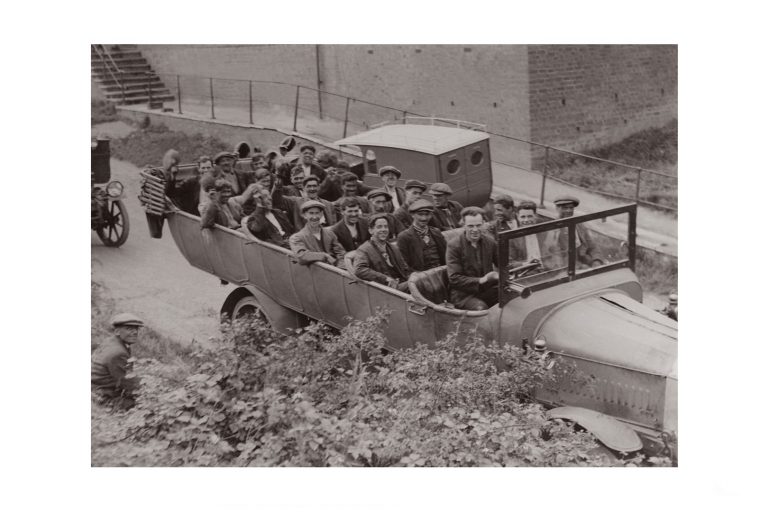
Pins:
x: 588, y: 95
x: 570, y: 96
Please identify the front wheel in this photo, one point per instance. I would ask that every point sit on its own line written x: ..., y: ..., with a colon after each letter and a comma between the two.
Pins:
x: 114, y: 232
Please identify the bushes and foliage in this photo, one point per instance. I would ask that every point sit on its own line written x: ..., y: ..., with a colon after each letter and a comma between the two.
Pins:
x: 654, y: 148
x: 147, y: 145
x: 102, y: 112
x: 323, y: 399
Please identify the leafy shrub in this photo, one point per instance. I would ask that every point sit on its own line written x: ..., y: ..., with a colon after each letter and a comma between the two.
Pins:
x: 148, y: 145
x: 102, y: 112
x: 323, y: 399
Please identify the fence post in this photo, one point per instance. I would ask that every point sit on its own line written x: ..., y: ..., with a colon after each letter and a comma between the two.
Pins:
x: 346, y: 118
x: 296, y: 108
x: 250, y: 100
x: 544, y: 175
x: 122, y: 84
x: 213, y: 112
x: 405, y: 114
x: 178, y: 92
x: 637, y: 188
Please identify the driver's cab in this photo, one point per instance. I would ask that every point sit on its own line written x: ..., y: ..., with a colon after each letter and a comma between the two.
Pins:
x: 558, y: 251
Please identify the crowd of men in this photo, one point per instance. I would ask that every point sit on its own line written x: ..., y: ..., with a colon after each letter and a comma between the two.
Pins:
x: 316, y: 206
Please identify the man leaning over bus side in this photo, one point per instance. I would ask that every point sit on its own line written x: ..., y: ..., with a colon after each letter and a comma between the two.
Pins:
x: 314, y: 242
x: 268, y: 224
x: 470, y: 260
x: 379, y: 260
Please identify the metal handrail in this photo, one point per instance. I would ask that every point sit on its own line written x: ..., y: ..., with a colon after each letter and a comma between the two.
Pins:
x: 408, y: 115
x: 99, y: 49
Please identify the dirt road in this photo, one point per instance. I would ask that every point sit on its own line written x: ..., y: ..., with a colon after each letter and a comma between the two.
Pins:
x: 151, y: 278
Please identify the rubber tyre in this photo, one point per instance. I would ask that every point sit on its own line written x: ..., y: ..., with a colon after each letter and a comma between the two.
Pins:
x: 115, y: 233
x: 248, y: 305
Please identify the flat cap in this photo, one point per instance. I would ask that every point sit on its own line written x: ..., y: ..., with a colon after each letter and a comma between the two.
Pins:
x: 311, y: 177
x: 564, y: 200
x: 123, y: 319
x: 421, y: 204
x: 223, y: 154
x: 440, y: 189
x: 312, y: 204
x: 379, y: 192
x: 389, y: 168
x: 288, y: 143
x: 415, y: 184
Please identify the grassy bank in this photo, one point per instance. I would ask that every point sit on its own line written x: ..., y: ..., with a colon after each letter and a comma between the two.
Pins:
x: 102, y: 112
x: 654, y: 149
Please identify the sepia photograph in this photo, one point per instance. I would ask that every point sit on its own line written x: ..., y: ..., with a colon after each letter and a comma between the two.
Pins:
x: 384, y: 255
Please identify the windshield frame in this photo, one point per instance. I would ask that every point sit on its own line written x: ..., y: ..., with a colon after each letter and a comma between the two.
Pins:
x: 509, y: 290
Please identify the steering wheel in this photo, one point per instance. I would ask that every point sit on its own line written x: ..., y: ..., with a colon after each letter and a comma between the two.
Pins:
x: 522, y: 270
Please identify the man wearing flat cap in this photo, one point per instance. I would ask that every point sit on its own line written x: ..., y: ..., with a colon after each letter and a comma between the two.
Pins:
x: 109, y: 362
x: 379, y: 200
x: 380, y: 260
x: 587, y: 252
x: 349, y: 189
x: 413, y: 191
x: 422, y: 245
x: 389, y: 176
x: 308, y: 164
x: 291, y: 205
x: 447, y: 213
x: 286, y: 145
x: 314, y: 242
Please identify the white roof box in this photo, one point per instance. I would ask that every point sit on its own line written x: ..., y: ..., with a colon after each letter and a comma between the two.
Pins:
x: 433, y: 140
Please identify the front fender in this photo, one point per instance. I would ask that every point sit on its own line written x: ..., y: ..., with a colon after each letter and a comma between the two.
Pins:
x: 608, y: 430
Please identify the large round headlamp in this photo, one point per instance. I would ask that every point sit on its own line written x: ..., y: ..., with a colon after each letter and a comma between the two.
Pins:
x: 115, y: 189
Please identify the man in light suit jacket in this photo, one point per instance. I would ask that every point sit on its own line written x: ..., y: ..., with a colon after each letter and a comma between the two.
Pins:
x: 314, y: 242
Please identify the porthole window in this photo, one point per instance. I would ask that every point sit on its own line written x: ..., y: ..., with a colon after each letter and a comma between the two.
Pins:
x: 476, y: 158
x: 453, y: 166
x: 370, y: 155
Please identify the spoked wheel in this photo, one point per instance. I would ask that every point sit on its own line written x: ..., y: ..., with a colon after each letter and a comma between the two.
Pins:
x: 115, y: 231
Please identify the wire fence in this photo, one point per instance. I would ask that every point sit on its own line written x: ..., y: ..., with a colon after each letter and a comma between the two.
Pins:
x: 311, y: 111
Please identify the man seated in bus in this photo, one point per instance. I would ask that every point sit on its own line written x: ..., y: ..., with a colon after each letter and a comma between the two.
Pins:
x: 269, y: 224
x: 352, y: 229
x: 244, y: 204
x: 413, y: 190
x: 447, y: 214
x: 504, y: 215
x: 217, y: 210
x: 291, y: 205
x: 422, y: 246
x: 527, y: 249
x: 330, y: 187
x: 389, y: 176
x: 223, y: 163
x: 307, y: 162
x: 314, y: 242
x: 556, y: 242
x: 362, y: 189
x: 380, y: 201
x: 349, y: 189
x: 379, y: 260
x: 470, y: 260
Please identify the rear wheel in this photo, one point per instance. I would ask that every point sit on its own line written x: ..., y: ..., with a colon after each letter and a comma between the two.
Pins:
x: 114, y: 232
x: 248, y: 308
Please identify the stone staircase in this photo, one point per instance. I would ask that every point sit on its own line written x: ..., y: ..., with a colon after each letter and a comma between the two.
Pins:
x: 125, y: 77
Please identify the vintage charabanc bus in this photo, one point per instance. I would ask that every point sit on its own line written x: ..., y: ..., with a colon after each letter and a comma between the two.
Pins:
x: 590, y: 316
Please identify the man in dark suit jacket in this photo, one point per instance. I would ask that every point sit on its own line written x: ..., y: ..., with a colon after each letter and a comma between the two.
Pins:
x: 352, y: 229
x: 422, y: 246
x: 314, y: 242
x: 349, y: 189
x: 379, y: 260
x: 308, y: 164
x: 413, y: 191
x: 470, y: 261
x: 267, y: 224
x: 447, y: 214
x: 389, y: 176
x: 380, y: 203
